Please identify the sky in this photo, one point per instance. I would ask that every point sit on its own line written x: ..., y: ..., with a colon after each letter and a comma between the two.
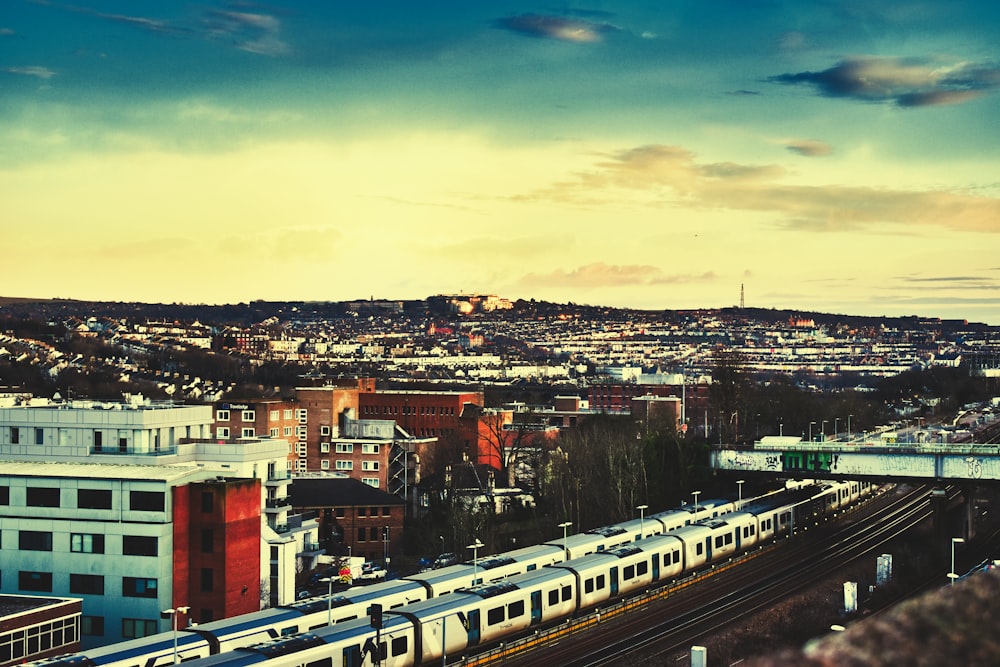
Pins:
x: 832, y: 156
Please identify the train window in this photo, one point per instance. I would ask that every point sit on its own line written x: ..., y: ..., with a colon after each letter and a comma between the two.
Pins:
x: 399, y: 646
x: 699, y: 549
x: 588, y: 586
x: 567, y: 593
x: 628, y: 572
x: 729, y: 538
x: 515, y: 609
x: 322, y: 662
x: 600, y: 581
x: 553, y: 597
x: 677, y: 557
x: 642, y: 568
x: 494, y: 616
x: 532, y: 567
x: 719, y: 541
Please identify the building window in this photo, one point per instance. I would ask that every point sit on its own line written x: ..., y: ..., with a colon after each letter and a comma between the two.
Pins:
x: 207, y: 579
x: 146, y: 501
x: 40, y: 496
x: 324, y: 430
x: 34, y: 540
x: 38, y: 582
x: 373, y: 534
x: 222, y: 415
x: 86, y: 584
x: 369, y: 448
x: 287, y: 414
x: 386, y: 511
x: 98, y: 441
x: 302, y: 415
x: 302, y: 432
x: 324, y: 464
x: 287, y: 431
x: 345, y: 448
x: 93, y: 499
x: 207, y: 502
x: 4, y: 495
x: 345, y: 465
x: 85, y: 543
x: 207, y: 540
x: 370, y: 481
x: 324, y: 447
x: 92, y: 626
x: 222, y: 433
x: 15, y: 435
x: 272, y: 416
x: 133, y: 628
x: 248, y: 415
x: 340, y: 513
x: 362, y: 534
x: 273, y: 432
x: 301, y: 449
x: 138, y: 587
x: 139, y: 545
x: 39, y: 436
x: 247, y: 433
x: 369, y: 465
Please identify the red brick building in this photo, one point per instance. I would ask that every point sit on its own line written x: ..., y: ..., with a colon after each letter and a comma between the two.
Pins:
x: 355, y: 518
x: 216, y: 557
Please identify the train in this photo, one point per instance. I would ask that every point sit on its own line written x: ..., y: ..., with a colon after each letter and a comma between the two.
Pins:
x: 477, y: 602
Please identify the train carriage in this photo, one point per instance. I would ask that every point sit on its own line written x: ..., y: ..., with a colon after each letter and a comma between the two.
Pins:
x: 688, y: 514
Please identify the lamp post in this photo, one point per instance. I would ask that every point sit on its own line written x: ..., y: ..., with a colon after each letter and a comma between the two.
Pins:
x: 475, y: 558
x: 565, y: 525
x: 441, y: 537
x: 739, y: 485
x: 849, y: 427
x: 696, y: 494
x: 836, y: 422
x: 172, y: 613
x: 811, y: 424
x: 642, y: 518
x: 954, y: 541
x: 329, y: 599
x: 781, y: 426
x: 823, y: 431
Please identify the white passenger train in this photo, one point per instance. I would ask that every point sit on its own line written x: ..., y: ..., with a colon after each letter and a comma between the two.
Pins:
x: 469, y: 604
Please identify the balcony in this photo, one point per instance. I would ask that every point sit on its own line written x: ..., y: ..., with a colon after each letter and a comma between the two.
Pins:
x: 277, y: 504
x: 312, y: 549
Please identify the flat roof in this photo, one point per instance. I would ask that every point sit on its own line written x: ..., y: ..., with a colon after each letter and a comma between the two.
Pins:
x: 163, y: 473
x: 11, y: 605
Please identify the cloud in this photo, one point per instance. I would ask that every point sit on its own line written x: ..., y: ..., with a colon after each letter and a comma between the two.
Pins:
x: 6, y: 32
x: 600, y: 274
x: 40, y: 72
x: 809, y: 147
x: 556, y: 27
x: 659, y: 175
x: 905, y: 82
x: 255, y: 33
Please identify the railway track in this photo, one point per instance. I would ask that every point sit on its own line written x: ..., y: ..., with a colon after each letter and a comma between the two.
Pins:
x: 676, y: 616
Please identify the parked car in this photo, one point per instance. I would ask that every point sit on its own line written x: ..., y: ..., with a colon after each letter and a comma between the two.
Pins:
x: 446, y: 559
x: 371, y: 571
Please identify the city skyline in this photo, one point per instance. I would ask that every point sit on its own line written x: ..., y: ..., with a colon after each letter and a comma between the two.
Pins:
x: 832, y: 157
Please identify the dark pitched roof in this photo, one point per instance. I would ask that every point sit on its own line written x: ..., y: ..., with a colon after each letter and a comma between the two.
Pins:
x: 344, y: 492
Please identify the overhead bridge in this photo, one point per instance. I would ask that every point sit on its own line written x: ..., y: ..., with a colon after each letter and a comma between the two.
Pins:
x: 831, y: 459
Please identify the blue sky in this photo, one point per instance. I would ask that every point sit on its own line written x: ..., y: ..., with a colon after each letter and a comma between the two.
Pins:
x: 831, y: 156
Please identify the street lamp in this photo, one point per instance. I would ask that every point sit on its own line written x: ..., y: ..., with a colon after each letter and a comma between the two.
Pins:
x: 642, y: 518
x: 172, y: 613
x: 849, y: 427
x: 475, y: 558
x: 836, y: 422
x: 565, y: 525
x: 823, y: 431
x: 739, y: 485
x: 696, y: 494
x: 954, y: 541
x: 811, y: 424
x: 781, y: 427
x: 329, y: 599
x: 441, y: 537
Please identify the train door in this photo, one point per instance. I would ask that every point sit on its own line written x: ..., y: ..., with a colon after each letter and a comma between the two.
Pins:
x: 655, y: 561
x: 536, y: 607
x: 613, y: 576
x: 473, y: 628
x: 738, y: 532
x: 708, y: 549
x: 352, y: 656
